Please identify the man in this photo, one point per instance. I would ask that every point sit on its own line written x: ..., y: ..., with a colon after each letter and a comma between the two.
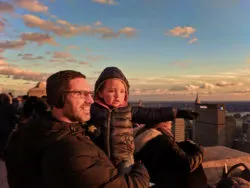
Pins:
x: 52, y: 151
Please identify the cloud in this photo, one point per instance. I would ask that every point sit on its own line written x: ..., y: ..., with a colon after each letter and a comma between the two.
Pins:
x: 6, y: 7
x: 178, y: 88
x: 105, y: 31
x: 61, y: 28
x: 17, y: 44
x: 149, y: 91
x: 71, y: 60
x: 56, y: 60
x: 70, y: 47
x: 192, y: 41
x: 28, y: 56
x: 63, y: 22
x: 61, y: 55
x: 17, y: 73
x: 225, y: 84
x: 128, y: 31
x: 39, y: 38
x: 31, y: 5
x: 191, y: 87
x: 2, y: 25
x: 207, y: 86
x: 83, y: 63
x: 64, y: 28
x: 98, y: 23
x: 246, y: 90
x: 181, y: 31
x: 3, y: 63
x: 94, y: 58
x: 109, y: 2
x: 183, y: 64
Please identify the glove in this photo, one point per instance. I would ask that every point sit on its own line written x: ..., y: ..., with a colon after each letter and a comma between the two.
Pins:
x: 190, y: 147
x: 187, y: 114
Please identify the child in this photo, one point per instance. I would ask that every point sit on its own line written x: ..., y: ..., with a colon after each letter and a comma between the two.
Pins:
x: 113, y: 117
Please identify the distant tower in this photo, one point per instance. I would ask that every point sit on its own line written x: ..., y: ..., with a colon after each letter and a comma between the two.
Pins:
x: 197, y: 100
x: 196, y: 103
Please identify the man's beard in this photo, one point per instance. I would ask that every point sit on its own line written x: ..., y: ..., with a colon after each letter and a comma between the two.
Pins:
x: 72, y: 116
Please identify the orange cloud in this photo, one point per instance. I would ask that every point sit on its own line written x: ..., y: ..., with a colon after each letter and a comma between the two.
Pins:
x: 57, y: 28
x: 109, y: 2
x: 1, y: 25
x: 72, y: 47
x: 95, y: 57
x: 98, y: 23
x: 61, y: 55
x: 181, y: 31
x: 29, y: 56
x: 31, y: 5
x: 3, y: 63
x: 128, y: 31
x: 5, y: 7
x: 64, y: 28
x: 193, y: 40
x: 207, y: 86
x: 39, y: 38
x: 183, y: 64
x: 225, y: 84
x: 63, y: 22
x: 17, y: 73
x: 83, y: 63
x: 17, y: 44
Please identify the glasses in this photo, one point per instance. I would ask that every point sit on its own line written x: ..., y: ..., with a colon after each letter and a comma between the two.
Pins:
x: 79, y: 93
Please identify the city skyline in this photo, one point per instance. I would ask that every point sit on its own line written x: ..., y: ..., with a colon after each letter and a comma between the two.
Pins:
x: 168, y: 50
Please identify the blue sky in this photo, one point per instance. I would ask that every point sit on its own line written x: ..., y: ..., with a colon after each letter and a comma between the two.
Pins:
x: 169, y: 50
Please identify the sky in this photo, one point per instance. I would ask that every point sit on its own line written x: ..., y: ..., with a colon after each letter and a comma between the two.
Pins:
x: 168, y: 49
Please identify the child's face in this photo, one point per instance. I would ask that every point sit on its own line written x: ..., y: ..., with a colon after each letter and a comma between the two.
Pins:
x: 113, y: 92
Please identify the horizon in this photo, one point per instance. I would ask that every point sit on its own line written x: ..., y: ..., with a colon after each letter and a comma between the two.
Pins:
x: 167, y: 50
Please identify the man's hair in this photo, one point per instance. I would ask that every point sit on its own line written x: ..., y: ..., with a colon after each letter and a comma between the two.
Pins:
x: 5, y: 99
x: 59, y: 82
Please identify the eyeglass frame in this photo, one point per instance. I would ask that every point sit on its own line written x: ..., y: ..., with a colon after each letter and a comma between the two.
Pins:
x: 81, y: 93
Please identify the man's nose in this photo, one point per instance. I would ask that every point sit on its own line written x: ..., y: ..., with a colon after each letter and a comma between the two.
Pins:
x: 89, y: 99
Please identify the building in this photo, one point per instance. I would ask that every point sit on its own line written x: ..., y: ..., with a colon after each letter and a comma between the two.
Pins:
x: 178, y: 129
x: 38, y: 91
x: 231, y: 132
x: 210, y: 125
x: 197, y: 100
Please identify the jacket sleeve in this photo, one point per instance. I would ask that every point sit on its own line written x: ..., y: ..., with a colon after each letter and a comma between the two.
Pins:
x: 194, y: 153
x: 152, y: 115
x: 136, y: 179
x: 81, y: 165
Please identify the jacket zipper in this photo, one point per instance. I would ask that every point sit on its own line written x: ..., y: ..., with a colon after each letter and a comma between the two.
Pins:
x: 108, y: 134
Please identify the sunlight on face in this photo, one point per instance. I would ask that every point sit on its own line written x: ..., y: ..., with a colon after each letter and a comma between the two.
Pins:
x: 77, y: 107
x: 113, y: 93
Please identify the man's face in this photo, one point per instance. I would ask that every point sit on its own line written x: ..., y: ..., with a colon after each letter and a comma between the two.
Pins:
x: 113, y: 93
x: 77, y: 101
